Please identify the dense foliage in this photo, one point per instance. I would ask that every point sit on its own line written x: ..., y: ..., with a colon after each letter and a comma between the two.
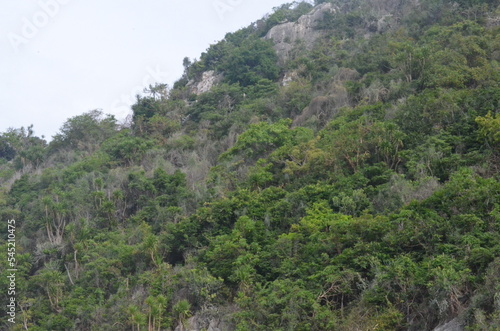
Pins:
x: 363, y: 194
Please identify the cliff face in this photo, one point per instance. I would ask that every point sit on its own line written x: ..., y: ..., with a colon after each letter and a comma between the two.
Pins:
x: 287, y: 35
x: 291, y: 39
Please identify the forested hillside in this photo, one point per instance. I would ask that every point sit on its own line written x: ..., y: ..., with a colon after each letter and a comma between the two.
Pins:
x: 329, y: 167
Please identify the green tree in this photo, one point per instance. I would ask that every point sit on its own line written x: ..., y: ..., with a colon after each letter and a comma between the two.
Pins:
x: 254, y: 60
x: 85, y: 132
x: 182, y: 311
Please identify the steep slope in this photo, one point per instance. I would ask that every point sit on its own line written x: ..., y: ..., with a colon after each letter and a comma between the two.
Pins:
x: 285, y: 36
x: 329, y: 167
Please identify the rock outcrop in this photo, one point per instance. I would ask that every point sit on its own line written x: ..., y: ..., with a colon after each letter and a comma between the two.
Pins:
x: 453, y: 325
x: 204, y: 323
x: 287, y: 35
x: 208, y: 80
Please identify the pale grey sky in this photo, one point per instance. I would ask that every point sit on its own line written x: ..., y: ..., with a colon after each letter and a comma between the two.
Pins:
x: 61, y: 58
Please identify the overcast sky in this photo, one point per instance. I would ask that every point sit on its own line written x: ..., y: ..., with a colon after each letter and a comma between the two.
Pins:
x: 61, y: 58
